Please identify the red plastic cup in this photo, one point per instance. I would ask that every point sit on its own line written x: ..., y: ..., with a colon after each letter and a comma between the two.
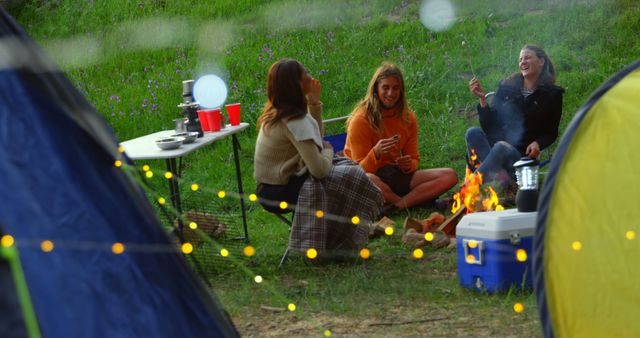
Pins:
x: 233, y: 110
x: 202, y: 116
x: 214, y: 118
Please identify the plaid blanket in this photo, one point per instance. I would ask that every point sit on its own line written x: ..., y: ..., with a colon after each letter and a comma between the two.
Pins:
x: 344, y: 193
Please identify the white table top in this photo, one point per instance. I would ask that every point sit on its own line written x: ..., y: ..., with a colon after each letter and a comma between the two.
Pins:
x: 145, y: 148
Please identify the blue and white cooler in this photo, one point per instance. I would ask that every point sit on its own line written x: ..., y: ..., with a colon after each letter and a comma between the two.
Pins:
x: 494, y: 250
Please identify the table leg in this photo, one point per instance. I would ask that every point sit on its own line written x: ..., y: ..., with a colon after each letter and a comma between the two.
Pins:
x: 236, y: 145
x: 174, y: 191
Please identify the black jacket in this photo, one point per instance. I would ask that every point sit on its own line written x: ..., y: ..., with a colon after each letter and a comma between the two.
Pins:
x: 519, y: 120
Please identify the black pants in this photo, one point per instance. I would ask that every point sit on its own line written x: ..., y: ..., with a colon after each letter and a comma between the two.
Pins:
x: 270, y: 195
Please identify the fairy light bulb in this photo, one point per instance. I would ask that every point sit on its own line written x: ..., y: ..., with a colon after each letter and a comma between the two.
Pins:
x: 283, y: 205
x: 221, y: 194
x: 355, y: 220
x: 521, y: 255
x: 118, y: 163
x: 312, y: 253
x: 249, y: 251
x: 258, y: 279
x: 224, y: 252
x: 193, y: 225
x: 630, y: 234
x: 7, y: 241
x: 195, y: 187
x: 149, y: 174
x: 145, y: 168
x: 121, y: 149
x: 161, y: 200
x: 428, y: 236
x: 418, y: 253
x: 117, y: 248
x: 365, y: 253
x: 291, y: 307
x: 576, y: 246
x: 319, y: 213
x: 472, y: 244
x: 388, y: 231
x: 187, y: 248
x: 518, y: 307
x: 46, y: 246
x: 253, y: 197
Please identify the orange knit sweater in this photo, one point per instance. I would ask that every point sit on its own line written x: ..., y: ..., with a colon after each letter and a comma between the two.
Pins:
x: 361, y: 138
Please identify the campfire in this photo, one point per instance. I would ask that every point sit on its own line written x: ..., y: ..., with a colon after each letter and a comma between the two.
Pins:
x: 473, y: 197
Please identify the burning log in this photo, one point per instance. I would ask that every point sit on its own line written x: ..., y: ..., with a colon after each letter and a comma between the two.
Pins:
x: 449, y: 225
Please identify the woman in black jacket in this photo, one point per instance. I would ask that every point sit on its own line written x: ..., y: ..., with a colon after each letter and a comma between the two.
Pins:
x: 522, y: 120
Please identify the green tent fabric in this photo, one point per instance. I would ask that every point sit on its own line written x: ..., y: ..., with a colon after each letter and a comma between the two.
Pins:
x: 587, y: 244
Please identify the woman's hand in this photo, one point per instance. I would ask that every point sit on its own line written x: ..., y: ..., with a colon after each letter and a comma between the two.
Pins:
x: 405, y: 163
x: 326, y: 145
x: 313, y: 96
x: 533, y: 150
x: 386, y: 149
x: 476, y: 89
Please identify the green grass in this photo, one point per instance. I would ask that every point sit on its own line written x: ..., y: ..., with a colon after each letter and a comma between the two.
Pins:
x: 129, y: 58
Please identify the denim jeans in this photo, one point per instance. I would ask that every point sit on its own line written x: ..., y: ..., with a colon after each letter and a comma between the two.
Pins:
x: 494, y: 161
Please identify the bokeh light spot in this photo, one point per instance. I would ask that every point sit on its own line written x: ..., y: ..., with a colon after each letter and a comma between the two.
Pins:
x: 630, y: 234
x: 327, y: 333
x: 249, y: 251
x: 118, y: 163
x: 521, y: 255
x: 121, y: 149
x: 193, y: 225
x: 46, y: 246
x: 145, y: 168
x: 470, y: 259
x: 355, y: 220
x: 161, y: 200
x: 283, y: 205
x: 428, y: 236
x: 224, y: 252
x: 210, y: 91
x: 221, y: 194
x: 312, y: 253
x: 437, y: 15
x: 117, y: 248
x: 388, y: 231
x: 253, y: 197
x: 576, y: 245
x: 319, y: 213
x: 187, y: 248
x: 292, y: 307
x: 518, y: 307
x: 149, y: 174
x: 195, y: 187
x: 258, y: 279
x: 472, y: 244
x: 418, y: 253
x: 365, y: 253
x: 168, y: 175
x: 7, y: 241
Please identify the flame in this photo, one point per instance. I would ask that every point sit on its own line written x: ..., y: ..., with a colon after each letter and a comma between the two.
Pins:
x: 471, y: 196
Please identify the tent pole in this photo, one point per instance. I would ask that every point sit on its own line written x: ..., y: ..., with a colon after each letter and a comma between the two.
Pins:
x: 29, y: 315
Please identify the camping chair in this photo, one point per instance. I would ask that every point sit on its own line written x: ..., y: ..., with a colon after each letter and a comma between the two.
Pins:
x: 337, y: 141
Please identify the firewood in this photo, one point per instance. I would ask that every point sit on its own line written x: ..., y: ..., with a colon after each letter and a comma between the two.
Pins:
x: 449, y: 226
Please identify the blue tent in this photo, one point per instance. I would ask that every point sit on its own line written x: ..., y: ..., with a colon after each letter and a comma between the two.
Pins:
x: 60, y: 186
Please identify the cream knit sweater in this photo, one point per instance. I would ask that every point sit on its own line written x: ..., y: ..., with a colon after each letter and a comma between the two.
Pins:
x: 292, y: 148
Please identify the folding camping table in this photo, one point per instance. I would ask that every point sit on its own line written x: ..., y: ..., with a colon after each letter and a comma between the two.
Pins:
x: 144, y: 148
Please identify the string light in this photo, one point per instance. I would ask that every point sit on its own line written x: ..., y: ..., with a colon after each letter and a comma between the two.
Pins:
x: 117, y: 248
x: 118, y: 163
x: 630, y: 235
x: 224, y: 252
x: 472, y: 244
x: 195, y: 187
x: 7, y: 241
x: 327, y: 333
x: 221, y: 194
x: 193, y: 225
x: 291, y: 307
x: 388, y: 231
x: 577, y: 246
x: 121, y: 149
x: 161, y: 200
x: 148, y: 174
x: 168, y: 175
x: 355, y: 220
x: 258, y: 279
x: 253, y: 197
x: 428, y: 236
x: 283, y: 205
x: 518, y: 307
x: 470, y: 259
x: 418, y: 253
x: 521, y: 255
x: 187, y: 248
x: 365, y: 253
x: 312, y: 253
x: 145, y: 168
x: 319, y: 213
x: 46, y: 246
x: 249, y: 251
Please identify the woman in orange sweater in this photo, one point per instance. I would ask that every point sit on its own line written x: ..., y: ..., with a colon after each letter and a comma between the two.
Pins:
x: 382, y: 136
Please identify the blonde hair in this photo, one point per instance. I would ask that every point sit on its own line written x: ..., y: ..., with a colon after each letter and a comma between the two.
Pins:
x: 371, y: 105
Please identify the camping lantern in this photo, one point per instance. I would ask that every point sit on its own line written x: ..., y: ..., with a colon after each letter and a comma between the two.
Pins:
x: 527, y: 177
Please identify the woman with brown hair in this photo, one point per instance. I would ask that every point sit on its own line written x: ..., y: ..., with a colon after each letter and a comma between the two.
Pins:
x: 382, y: 136
x: 522, y: 120
x: 294, y: 165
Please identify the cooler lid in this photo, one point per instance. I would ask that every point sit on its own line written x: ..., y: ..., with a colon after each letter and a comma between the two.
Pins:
x: 496, y: 225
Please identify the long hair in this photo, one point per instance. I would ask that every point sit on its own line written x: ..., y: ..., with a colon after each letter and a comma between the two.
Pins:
x: 547, y: 74
x: 371, y: 102
x: 285, y: 98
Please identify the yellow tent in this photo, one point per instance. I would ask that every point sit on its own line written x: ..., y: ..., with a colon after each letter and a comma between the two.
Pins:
x: 587, y: 245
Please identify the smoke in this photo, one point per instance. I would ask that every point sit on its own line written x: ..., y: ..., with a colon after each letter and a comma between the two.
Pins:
x: 437, y: 15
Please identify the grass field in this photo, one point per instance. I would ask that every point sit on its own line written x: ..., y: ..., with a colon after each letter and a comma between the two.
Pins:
x: 129, y: 59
